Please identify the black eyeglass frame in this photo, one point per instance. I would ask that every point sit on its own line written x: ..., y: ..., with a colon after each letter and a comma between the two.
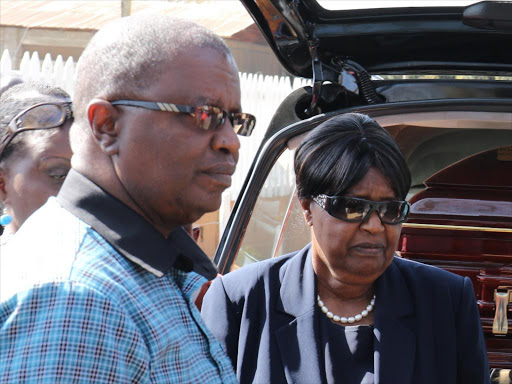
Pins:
x: 14, y: 127
x: 192, y: 110
x: 323, y: 202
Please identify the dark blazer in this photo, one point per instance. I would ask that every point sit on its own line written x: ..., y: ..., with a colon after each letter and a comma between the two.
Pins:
x: 427, y: 326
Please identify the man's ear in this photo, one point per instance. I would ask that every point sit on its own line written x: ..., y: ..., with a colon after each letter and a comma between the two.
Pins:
x: 103, y: 117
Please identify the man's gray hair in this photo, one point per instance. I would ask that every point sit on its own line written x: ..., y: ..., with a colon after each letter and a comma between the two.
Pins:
x: 128, y: 56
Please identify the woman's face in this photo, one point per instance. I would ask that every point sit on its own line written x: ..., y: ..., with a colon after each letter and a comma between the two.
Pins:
x: 354, y: 253
x: 30, y: 178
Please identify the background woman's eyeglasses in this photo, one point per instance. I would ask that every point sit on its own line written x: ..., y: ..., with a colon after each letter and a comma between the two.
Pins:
x: 39, y: 116
x: 356, y: 210
x: 207, y: 117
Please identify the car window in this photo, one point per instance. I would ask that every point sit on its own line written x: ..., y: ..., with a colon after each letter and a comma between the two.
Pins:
x: 276, y: 226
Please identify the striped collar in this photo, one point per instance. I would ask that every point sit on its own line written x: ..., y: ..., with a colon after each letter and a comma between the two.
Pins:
x: 129, y: 233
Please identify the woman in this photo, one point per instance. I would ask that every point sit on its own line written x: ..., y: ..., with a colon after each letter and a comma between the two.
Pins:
x: 345, y: 309
x: 35, y: 153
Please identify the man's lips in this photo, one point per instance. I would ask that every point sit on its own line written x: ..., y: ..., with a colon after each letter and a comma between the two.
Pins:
x: 221, y: 173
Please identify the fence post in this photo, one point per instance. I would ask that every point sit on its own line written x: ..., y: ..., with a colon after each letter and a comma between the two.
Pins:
x: 5, y: 63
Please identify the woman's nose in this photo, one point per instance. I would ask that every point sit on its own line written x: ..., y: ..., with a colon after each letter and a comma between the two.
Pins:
x: 373, y: 224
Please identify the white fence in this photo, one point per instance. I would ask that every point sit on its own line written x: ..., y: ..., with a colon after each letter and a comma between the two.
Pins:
x: 261, y: 95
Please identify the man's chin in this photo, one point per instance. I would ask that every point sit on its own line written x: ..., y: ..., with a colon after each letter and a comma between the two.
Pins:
x: 205, y: 206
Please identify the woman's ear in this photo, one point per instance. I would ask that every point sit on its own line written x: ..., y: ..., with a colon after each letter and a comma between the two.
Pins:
x: 3, y: 189
x: 306, y: 204
x: 102, y: 118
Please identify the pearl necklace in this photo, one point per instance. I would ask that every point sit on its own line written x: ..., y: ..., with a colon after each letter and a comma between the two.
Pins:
x: 345, y: 320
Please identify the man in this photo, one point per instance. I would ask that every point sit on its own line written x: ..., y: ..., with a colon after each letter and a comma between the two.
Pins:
x: 115, y: 303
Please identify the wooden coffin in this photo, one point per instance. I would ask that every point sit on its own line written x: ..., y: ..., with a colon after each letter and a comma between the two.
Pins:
x: 462, y: 222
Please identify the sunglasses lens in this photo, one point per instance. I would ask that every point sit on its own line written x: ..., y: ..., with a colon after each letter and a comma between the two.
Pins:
x: 348, y: 209
x: 355, y: 210
x: 394, y: 212
x: 243, y: 124
x: 43, y: 116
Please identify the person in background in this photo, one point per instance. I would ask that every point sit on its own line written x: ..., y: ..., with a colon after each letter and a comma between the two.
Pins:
x: 111, y: 276
x: 193, y: 230
x: 9, y: 81
x: 35, y: 154
x: 344, y: 309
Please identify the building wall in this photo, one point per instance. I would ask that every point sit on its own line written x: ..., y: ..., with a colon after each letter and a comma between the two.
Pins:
x: 250, y: 57
x: 255, y: 58
x: 56, y: 42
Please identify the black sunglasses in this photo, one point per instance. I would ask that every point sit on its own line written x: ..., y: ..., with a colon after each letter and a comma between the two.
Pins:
x: 207, y: 117
x: 356, y: 210
x: 39, y: 116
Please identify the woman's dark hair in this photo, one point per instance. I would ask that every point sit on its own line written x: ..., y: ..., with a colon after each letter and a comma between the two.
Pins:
x: 18, y: 98
x: 338, y: 153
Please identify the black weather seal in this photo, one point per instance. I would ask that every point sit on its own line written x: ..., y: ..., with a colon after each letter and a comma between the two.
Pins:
x: 366, y: 88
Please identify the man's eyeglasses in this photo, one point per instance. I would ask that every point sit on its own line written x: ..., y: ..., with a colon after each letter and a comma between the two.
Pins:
x: 356, y: 210
x: 207, y: 117
x: 39, y: 116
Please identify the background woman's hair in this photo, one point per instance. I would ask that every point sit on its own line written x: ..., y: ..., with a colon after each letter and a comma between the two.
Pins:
x: 338, y: 153
x: 18, y: 98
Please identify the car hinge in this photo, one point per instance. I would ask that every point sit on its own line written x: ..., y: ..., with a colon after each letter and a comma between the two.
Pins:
x: 318, y: 76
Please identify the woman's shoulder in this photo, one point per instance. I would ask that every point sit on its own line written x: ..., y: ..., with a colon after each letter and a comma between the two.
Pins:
x: 262, y: 273
x: 424, y: 273
x: 262, y: 268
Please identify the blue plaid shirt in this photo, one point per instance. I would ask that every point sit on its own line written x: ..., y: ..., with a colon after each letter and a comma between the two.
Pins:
x: 80, y: 310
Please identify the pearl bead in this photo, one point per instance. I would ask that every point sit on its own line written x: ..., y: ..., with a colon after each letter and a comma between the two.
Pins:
x: 344, y: 320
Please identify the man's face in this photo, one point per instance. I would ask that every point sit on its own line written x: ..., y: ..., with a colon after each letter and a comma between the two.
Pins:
x: 173, y: 170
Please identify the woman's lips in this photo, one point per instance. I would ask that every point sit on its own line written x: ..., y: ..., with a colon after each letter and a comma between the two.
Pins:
x: 370, y: 249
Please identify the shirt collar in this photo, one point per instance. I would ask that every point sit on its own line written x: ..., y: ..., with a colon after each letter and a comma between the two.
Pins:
x: 131, y: 234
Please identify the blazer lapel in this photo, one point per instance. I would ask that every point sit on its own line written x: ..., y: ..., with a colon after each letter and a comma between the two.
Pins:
x: 298, y: 338
x: 394, y: 329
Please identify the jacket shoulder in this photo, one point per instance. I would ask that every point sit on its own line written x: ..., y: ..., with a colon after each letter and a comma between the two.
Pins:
x: 256, y: 277
x: 427, y: 280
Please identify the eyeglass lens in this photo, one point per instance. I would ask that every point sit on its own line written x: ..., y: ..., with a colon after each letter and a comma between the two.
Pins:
x: 353, y: 209
x: 243, y: 124
x: 208, y: 117
x: 42, y: 116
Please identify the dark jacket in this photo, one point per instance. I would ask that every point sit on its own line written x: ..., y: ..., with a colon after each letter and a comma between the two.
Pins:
x: 427, y: 325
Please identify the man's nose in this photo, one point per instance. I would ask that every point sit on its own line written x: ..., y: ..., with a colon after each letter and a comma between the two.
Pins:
x: 225, y: 139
